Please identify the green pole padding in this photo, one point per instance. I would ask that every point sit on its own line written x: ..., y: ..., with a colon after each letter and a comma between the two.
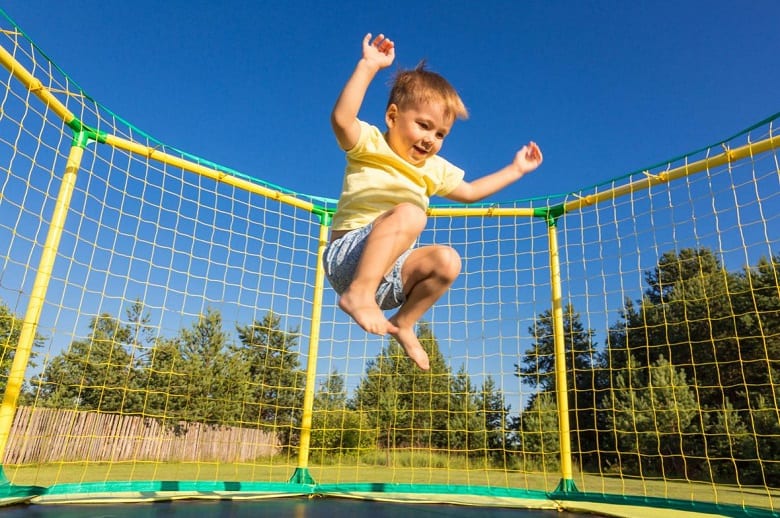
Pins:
x: 302, y: 476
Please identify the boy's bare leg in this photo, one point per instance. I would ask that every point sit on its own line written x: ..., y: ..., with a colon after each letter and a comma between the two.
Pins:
x: 393, y: 233
x: 427, y: 274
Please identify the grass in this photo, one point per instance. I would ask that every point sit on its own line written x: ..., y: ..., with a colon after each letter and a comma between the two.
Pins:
x: 403, y: 470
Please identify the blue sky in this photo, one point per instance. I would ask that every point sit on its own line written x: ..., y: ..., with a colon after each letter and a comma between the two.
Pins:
x: 606, y: 88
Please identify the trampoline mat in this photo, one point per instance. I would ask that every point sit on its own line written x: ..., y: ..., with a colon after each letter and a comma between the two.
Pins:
x: 298, y: 507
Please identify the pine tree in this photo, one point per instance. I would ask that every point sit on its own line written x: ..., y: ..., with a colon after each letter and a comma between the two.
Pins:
x: 409, y: 406
x: 537, y: 368
x: 539, y: 440
x: 275, y: 381
x: 654, y: 414
x: 98, y: 373
x: 494, y: 411
x: 467, y: 431
x: 336, y: 428
x: 214, y: 381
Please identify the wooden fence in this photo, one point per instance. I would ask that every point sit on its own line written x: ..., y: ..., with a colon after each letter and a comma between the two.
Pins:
x: 41, y: 435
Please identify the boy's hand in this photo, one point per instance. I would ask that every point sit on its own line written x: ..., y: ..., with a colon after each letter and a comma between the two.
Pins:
x: 376, y: 55
x: 380, y: 52
x: 528, y: 158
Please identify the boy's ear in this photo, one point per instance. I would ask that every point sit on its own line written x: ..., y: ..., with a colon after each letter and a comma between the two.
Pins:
x: 390, y: 115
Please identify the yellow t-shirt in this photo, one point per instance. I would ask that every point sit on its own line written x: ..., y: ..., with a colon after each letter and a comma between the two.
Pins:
x: 377, y: 179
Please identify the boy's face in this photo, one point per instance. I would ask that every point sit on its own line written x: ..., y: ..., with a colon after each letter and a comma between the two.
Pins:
x: 417, y: 133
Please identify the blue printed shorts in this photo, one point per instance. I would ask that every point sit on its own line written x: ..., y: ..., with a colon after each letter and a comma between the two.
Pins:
x: 341, y: 258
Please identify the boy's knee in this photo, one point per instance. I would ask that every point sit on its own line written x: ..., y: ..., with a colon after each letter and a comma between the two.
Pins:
x: 448, y: 263
x: 411, y: 214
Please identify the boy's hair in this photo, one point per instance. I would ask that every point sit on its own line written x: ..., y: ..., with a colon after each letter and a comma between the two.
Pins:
x: 419, y: 85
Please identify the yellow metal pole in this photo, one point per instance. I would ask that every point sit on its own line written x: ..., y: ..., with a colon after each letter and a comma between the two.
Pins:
x: 214, y: 174
x: 454, y: 212
x: 729, y: 155
x: 55, y: 105
x: 34, y: 85
x: 37, y: 297
x: 561, y: 391
x: 301, y: 474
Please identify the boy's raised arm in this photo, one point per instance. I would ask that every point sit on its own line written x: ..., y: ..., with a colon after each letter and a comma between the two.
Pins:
x: 377, y: 54
x: 526, y: 160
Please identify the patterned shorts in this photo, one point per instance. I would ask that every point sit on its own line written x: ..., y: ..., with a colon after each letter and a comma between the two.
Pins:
x: 341, y: 259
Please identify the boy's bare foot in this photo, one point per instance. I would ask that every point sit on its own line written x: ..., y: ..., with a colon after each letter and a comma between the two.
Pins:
x: 364, y: 311
x: 411, y: 344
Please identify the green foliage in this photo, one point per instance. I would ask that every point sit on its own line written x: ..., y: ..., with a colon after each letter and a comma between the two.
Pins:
x: 762, y: 442
x: 98, y: 373
x: 274, y: 380
x: 537, y: 368
x: 431, y: 410
x: 196, y: 376
x: 10, y: 327
x: 726, y: 432
x: 494, y: 418
x: 653, y: 413
x: 537, y: 365
x: 466, y: 427
x: 164, y: 380
x: 213, y: 378
x: 408, y: 405
x: 721, y: 331
x: 686, y: 385
x: 193, y: 376
x: 337, y: 429
x: 722, y: 328
x: 10, y: 330
x: 539, y: 439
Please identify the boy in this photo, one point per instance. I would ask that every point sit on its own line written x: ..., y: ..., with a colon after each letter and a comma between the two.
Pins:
x: 388, y: 182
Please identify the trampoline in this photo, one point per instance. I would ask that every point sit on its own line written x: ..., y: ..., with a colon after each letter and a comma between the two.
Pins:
x: 156, y: 262
x: 298, y: 507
